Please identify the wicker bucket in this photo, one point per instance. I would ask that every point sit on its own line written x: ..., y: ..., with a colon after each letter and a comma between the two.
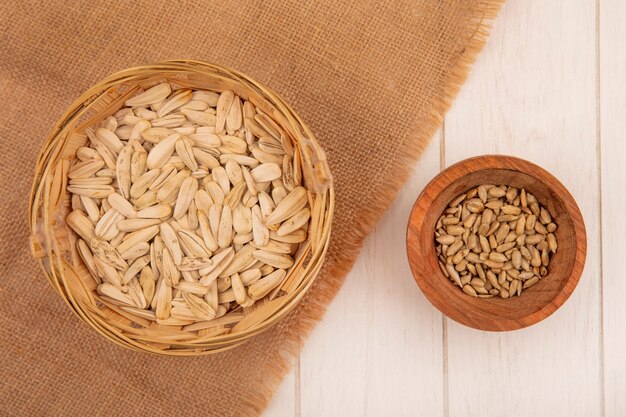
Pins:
x: 54, y: 243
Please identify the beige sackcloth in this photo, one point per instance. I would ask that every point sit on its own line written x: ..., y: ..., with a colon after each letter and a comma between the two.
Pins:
x: 372, y: 79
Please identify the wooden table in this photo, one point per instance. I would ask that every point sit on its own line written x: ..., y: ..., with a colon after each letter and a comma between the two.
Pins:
x: 550, y: 87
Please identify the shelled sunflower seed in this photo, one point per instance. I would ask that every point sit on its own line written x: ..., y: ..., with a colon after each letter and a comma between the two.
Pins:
x: 495, y: 241
x: 188, y: 204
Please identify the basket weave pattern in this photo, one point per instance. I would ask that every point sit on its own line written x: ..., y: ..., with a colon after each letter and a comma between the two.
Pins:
x: 53, y: 242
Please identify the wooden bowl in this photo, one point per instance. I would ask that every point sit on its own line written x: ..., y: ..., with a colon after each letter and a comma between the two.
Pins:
x: 496, y: 314
x: 53, y: 242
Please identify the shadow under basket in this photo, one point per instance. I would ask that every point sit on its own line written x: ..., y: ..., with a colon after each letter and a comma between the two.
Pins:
x: 53, y: 243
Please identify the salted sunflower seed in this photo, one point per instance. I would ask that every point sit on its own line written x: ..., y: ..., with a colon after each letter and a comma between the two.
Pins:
x: 109, y: 139
x: 263, y: 286
x: 184, y: 149
x: 200, y: 117
x: 193, y: 244
x: 193, y: 264
x: 276, y: 260
x: 85, y: 169
x: 142, y: 235
x: 107, y: 253
x: 235, y: 195
x: 162, y: 151
x: 208, y: 235
x: 174, y: 101
x: 140, y: 249
x: 225, y: 228
x: 153, y: 95
x: 224, y: 103
x: 155, y: 135
x: 122, y: 205
x: 186, y: 194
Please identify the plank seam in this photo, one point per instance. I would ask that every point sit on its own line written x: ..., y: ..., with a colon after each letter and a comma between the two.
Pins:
x: 444, y: 323
x: 600, y: 243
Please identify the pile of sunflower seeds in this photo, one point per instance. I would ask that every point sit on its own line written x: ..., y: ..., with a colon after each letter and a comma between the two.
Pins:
x: 188, y: 204
x: 495, y: 241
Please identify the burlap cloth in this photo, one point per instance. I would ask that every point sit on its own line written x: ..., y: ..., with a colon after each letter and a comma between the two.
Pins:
x: 372, y: 79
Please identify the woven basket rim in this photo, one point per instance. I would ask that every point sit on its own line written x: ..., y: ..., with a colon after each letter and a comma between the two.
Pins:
x: 51, y: 251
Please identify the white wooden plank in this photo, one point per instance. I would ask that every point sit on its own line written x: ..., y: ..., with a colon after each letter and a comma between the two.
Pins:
x: 283, y: 403
x: 532, y: 94
x: 613, y: 151
x: 378, y: 351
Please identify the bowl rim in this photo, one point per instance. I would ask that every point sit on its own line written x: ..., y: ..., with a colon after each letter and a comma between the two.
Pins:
x: 448, y: 177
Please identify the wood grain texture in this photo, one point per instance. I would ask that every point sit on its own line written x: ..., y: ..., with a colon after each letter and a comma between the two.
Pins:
x: 549, y: 87
x: 378, y: 350
x: 612, y: 106
x: 497, y: 314
x: 532, y: 94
